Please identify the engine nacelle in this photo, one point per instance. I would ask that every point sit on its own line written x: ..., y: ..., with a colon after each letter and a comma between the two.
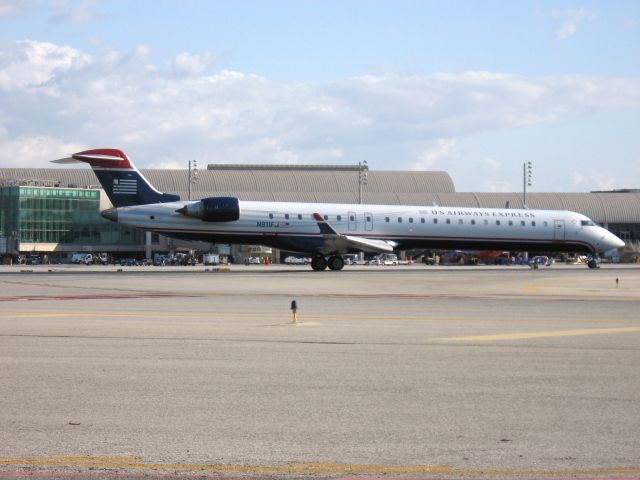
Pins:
x: 213, y: 209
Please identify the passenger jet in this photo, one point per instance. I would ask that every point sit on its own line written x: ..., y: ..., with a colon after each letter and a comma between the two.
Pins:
x: 327, y: 231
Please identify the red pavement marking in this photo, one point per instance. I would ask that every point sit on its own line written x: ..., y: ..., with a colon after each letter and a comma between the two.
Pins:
x: 90, y: 297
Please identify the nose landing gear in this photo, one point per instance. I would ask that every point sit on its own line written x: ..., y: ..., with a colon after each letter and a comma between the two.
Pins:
x: 593, y: 262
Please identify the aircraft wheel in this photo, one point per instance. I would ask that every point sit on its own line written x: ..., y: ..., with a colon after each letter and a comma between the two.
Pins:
x: 318, y: 263
x: 593, y: 263
x: 336, y: 262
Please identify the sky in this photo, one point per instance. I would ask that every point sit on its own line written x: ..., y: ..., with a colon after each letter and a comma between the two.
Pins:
x: 474, y: 88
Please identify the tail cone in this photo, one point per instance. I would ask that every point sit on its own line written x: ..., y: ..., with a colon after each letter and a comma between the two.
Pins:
x: 110, y: 214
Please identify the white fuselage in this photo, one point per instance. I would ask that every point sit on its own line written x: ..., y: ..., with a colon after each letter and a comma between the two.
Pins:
x: 291, y: 226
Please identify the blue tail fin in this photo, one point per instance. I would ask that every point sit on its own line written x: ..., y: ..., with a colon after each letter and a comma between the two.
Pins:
x: 121, y: 180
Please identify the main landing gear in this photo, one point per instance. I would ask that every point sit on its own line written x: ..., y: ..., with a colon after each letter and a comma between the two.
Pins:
x: 320, y: 262
x: 593, y: 262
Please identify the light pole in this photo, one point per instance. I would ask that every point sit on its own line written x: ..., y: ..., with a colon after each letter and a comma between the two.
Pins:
x: 363, y: 178
x: 193, y: 174
x: 527, y: 176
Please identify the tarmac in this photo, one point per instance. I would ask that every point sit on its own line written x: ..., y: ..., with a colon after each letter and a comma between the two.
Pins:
x: 390, y: 372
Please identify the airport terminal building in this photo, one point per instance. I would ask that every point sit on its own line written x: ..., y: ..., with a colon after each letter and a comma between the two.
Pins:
x: 56, y: 211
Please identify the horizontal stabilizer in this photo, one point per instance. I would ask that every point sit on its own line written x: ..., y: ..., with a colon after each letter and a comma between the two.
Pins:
x: 122, y: 182
x: 66, y: 160
x: 88, y: 157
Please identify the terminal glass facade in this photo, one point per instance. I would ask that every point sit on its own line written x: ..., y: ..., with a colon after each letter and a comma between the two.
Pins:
x: 629, y: 232
x: 58, y: 215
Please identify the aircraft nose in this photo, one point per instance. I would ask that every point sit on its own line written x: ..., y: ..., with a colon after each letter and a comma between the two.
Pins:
x: 611, y: 241
x: 110, y: 214
x: 616, y: 241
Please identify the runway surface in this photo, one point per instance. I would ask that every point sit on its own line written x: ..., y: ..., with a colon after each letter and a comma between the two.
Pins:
x: 420, y: 372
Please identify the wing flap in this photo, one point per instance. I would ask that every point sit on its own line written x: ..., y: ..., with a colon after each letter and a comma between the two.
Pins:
x: 338, y: 243
x: 368, y: 244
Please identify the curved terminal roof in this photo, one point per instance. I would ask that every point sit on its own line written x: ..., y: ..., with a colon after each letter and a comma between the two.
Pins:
x: 325, y: 185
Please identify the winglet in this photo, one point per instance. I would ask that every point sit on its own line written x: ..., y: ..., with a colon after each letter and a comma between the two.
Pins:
x: 99, y: 157
x: 325, y: 228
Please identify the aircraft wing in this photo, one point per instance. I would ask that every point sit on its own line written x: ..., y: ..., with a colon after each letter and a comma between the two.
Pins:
x: 336, y: 242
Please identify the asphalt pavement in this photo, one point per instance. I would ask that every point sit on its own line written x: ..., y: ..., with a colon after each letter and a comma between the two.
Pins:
x: 390, y: 372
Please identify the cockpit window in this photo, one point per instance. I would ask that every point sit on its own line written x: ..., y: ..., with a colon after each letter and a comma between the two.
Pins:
x: 587, y: 223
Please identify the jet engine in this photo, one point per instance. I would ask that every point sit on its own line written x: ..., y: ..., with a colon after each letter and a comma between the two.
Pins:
x: 213, y: 209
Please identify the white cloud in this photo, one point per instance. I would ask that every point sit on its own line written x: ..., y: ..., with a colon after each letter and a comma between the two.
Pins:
x: 69, y: 11
x: 192, y: 64
x: 62, y: 11
x: 438, y: 156
x: 29, y: 64
x: 30, y: 151
x: 179, y: 109
x: 597, y: 180
x: 566, y: 31
x: 571, y: 19
x: 16, y: 7
x: 492, y: 163
x: 498, y: 186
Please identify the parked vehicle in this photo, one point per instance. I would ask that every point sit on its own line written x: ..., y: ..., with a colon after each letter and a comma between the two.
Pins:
x: 85, y: 258
x: 211, y: 259
x: 102, y: 258
x: 540, y: 260
x: 128, y: 262
x: 33, y: 260
x: 291, y: 260
x: 350, y: 259
x: 389, y: 259
x: 375, y: 260
x: 159, y: 260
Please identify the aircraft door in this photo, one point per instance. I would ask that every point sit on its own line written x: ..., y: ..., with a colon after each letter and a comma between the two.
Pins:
x: 558, y: 230
x: 353, y: 221
x: 368, y: 221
